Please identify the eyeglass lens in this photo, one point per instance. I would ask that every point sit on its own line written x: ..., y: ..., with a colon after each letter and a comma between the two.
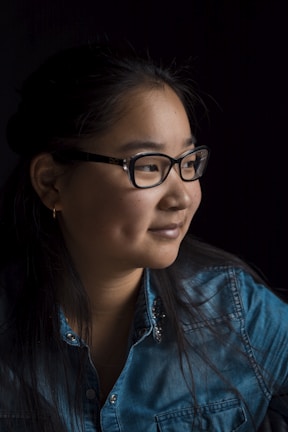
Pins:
x: 151, y: 170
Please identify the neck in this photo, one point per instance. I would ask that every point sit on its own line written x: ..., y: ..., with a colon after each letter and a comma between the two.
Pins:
x: 112, y: 306
x: 111, y: 293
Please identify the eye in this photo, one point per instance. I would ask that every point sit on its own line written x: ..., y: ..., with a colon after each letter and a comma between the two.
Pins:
x: 147, y: 167
x: 189, y: 163
x: 149, y: 164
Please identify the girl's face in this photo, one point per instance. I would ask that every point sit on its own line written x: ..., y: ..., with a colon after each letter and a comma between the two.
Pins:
x: 108, y: 222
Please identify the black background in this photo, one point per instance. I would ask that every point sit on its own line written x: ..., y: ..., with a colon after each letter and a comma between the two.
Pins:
x: 240, y: 52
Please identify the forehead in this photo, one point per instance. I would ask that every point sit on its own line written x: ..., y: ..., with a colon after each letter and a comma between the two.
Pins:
x: 149, y: 108
x: 148, y: 115
x: 149, y: 95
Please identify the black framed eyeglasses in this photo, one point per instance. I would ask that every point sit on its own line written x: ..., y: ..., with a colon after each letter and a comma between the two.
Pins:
x: 147, y: 170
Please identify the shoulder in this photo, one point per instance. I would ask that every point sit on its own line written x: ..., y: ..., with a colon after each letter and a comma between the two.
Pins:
x: 224, y: 293
x: 214, y: 278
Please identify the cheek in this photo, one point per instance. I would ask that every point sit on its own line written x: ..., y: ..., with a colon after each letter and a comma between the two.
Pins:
x: 103, y: 212
x: 198, y: 196
x: 195, y: 201
x: 195, y: 194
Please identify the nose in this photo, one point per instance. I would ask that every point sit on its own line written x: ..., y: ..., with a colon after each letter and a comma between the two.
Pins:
x: 178, y: 194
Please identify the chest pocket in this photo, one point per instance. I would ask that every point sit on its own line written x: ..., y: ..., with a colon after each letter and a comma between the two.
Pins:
x: 223, y: 416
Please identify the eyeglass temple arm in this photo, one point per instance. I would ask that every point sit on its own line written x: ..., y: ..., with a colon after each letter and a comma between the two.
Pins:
x: 76, y: 155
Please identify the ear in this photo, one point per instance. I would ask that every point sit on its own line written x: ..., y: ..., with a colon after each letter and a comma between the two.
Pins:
x: 44, y: 174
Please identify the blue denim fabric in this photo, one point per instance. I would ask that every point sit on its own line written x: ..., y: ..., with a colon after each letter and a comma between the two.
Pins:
x: 232, y: 389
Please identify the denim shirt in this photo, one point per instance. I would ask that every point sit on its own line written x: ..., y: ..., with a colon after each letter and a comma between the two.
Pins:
x: 232, y: 382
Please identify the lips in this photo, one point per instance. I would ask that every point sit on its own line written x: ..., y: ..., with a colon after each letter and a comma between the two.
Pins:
x: 171, y: 231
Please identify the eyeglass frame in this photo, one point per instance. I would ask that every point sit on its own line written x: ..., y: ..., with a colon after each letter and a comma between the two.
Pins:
x: 128, y: 164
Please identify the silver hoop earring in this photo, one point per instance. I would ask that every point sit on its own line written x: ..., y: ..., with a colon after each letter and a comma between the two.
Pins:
x: 54, y: 213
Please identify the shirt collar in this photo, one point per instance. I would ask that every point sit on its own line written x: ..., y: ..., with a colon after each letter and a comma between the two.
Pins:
x: 149, y: 312
x: 148, y: 318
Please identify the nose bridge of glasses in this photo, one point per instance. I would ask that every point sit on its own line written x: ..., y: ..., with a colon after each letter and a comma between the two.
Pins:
x: 170, y: 163
x: 175, y: 164
x: 167, y: 163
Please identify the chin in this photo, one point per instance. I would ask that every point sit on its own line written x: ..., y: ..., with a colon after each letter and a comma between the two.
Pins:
x: 158, y: 256
x: 162, y: 261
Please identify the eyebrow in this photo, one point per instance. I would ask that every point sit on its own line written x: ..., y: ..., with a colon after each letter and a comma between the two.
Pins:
x: 151, y: 145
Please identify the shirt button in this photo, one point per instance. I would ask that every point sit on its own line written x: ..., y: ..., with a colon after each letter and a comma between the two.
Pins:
x: 90, y: 394
x: 71, y: 337
x: 113, y: 398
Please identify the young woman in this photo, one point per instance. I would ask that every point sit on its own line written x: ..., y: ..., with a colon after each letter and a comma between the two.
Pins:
x: 110, y: 319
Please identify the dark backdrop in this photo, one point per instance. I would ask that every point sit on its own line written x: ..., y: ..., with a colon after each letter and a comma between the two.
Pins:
x: 239, y: 51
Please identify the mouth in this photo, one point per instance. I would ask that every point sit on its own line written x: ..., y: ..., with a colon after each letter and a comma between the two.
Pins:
x: 171, y: 231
